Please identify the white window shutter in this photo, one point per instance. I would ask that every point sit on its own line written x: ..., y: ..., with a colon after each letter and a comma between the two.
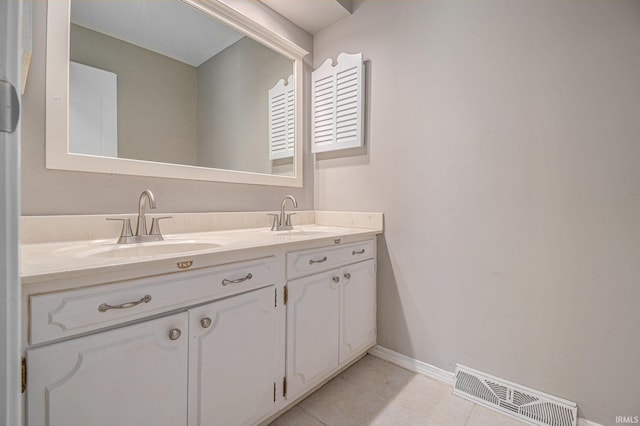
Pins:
x: 281, y: 119
x: 337, y: 94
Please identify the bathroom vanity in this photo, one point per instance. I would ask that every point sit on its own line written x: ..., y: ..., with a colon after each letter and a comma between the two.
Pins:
x: 225, y: 321
x: 222, y: 327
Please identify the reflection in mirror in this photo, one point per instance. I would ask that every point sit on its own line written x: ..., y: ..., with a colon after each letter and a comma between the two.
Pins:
x: 160, y: 81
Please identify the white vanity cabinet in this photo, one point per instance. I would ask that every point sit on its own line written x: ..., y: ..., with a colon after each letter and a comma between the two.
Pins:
x: 331, y: 316
x: 135, y: 375
x: 227, y: 351
x: 232, y: 343
x: 357, y: 309
x: 313, y: 316
x: 213, y: 363
x: 62, y: 314
x: 234, y: 353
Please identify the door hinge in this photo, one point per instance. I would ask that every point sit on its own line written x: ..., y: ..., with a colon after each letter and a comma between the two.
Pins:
x: 274, y: 391
x: 286, y: 294
x: 23, y: 374
x: 9, y: 107
x: 284, y: 387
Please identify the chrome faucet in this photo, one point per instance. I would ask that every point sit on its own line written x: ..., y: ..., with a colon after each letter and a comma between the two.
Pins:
x: 145, y: 197
x: 142, y: 235
x: 282, y: 222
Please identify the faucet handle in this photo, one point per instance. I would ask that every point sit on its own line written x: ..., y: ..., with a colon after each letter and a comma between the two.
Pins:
x: 274, y: 226
x: 155, y: 225
x: 126, y: 226
x: 288, y: 221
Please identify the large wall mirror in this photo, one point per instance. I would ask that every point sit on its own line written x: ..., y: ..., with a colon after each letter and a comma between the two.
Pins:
x: 185, y: 89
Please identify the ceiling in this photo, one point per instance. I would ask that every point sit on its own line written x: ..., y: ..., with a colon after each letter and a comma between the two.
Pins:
x: 311, y: 15
x: 168, y: 27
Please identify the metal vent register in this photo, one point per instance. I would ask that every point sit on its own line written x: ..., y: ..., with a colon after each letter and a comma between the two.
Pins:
x: 517, y: 401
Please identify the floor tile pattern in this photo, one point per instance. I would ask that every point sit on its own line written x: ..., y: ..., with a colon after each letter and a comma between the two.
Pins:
x: 375, y: 392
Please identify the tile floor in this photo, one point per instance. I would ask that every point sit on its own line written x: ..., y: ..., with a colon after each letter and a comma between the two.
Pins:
x: 375, y: 392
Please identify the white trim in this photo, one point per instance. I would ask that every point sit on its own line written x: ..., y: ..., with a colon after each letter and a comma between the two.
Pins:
x: 57, y: 154
x: 585, y: 422
x: 240, y: 22
x: 412, y: 364
x: 11, y: 15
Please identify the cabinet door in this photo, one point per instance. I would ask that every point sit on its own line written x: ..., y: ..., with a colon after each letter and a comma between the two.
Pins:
x: 233, y: 359
x: 312, y: 331
x: 135, y: 375
x: 357, y: 309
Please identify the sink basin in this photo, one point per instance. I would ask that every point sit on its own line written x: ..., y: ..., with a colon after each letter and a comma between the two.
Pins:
x: 148, y: 249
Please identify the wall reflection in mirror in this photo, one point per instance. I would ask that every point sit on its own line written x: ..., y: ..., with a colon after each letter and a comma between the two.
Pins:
x: 160, y: 81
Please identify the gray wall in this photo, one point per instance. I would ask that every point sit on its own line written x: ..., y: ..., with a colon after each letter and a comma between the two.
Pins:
x: 59, y: 192
x: 157, y: 97
x: 503, y: 149
x: 233, y: 108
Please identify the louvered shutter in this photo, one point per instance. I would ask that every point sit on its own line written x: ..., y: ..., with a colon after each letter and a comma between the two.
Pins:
x: 281, y: 119
x: 337, y: 94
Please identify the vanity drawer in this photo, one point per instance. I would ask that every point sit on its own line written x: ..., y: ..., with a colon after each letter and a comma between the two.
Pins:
x: 307, y: 262
x: 54, y: 316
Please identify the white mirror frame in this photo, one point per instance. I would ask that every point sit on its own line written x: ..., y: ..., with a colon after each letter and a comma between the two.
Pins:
x: 57, y: 105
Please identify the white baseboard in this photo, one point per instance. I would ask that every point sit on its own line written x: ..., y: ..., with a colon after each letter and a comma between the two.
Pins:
x: 585, y: 422
x: 412, y: 364
x: 429, y: 370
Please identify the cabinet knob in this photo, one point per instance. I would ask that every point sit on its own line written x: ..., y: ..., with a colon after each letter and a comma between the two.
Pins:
x: 174, y: 334
x: 205, y: 322
x: 347, y: 276
x: 336, y: 279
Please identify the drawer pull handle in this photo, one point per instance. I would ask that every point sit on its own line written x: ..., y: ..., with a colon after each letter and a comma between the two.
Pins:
x: 104, y: 307
x: 336, y: 280
x: 205, y: 322
x: 239, y: 280
x: 353, y: 253
x: 174, y: 334
x: 347, y: 276
x: 311, y: 261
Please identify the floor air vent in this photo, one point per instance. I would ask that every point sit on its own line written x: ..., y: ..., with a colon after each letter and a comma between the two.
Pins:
x: 517, y: 401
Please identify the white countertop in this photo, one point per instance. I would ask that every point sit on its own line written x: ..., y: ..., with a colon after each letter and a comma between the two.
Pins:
x: 46, y: 261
